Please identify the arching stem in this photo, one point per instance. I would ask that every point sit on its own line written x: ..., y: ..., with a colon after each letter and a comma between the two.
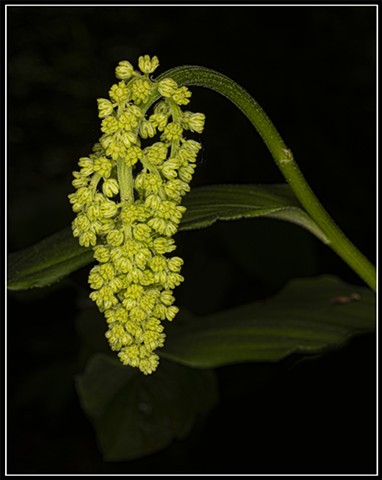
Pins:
x: 282, y: 155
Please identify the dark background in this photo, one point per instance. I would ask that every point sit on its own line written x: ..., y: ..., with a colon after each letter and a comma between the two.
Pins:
x: 313, y: 70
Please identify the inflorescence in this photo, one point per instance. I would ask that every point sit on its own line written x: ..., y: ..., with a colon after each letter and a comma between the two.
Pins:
x: 128, y: 207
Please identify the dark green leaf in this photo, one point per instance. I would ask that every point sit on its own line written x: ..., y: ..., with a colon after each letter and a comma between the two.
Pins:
x: 135, y: 415
x: 47, y: 261
x: 206, y: 205
x: 306, y: 317
x: 60, y: 254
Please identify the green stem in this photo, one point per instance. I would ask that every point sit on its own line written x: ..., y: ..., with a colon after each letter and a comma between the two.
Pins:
x: 126, y: 186
x: 205, y: 77
x: 125, y: 180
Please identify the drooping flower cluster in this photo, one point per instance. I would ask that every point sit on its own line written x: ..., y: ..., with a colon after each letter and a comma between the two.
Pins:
x: 128, y: 205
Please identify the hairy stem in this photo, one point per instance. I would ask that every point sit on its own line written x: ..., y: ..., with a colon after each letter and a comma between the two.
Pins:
x: 205, y: 77
x: 126, y: 186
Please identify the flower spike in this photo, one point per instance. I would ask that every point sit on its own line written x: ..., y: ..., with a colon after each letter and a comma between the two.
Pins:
x: 128, y: 207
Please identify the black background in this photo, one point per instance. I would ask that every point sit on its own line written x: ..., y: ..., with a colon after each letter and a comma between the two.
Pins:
x: 313, y: 70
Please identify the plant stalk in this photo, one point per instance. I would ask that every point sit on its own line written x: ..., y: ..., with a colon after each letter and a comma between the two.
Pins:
x: 126, y: 186
x: 205, y: 77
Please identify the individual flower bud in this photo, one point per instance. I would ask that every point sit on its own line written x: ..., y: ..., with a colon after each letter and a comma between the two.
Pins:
x: 162, y: 107
x: 119, y: 92
x: 169, y: 169
x: 158, y: 224
x: 185, y: 173
x: 162, y: 245
x: 124, y: 71
x: 147, y: 64
x: 158, y: 263
x: 156, y: 153
x: 171, y: 228
x: 127, y: 139
x: 171, y: 312
x: 192, y: 145
x: 146, y: 129
x: 79, y: 180
x: 108, y: 209
x: 181, y: 96
x: 87, y: 238
x: 167, y: 87
x: 172, y: 132
x: 109, y: 125
x: 142, y: 232
x: 103, y: 166
x: 140, y: 90
x: 102, y: 254
x: 175, y: 264
x: 115, y: 238
x: 159, y: 120
x: 196, y: 122
x: 110, y: 187
x: 133, y: 154
x: 87, y: 166
x: 167, y: 298
x: 127, y: 120
x: 153, y: 202
x: 173, y: 280
x: 95, y: 279
x: 105, y: 107
x: 136, y: 111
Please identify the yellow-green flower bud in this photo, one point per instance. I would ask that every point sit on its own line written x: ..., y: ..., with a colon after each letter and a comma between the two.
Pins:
x: 171, y: 312
x: 167, y: 87
x: 124, y: 71
x: 105, y: 107
x: 167, y: 298
x: 87, y: 166
x: 156, y: 153
x: 181, y: 96
x: 146, y: 129
x: 147, y: 64
x: 110, y: 187
x: 115, y: 238
x: 142, y: 232
x: 159, y: 120
x: 108, y: 209
x: 133, y: 154
x: 127, y: 120
x: 102, y: 254
x: 119, y: 92
x: 175, y: 264
x: 172, y: 132
x: 109, y: 125
x: 140, y: 90
x: 162, y: 245
x: 103, y: 166
x: 87, y: 238
x: 196, y: 122
x: 185, y: 173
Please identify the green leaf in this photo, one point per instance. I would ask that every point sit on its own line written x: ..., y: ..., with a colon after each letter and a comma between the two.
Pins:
x: 305, y: 317
x: 60, y: 254
x: 206, y: 205
x: 47, y: 261
x: 135, y: 415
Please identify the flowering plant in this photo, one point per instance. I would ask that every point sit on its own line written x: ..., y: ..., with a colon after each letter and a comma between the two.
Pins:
x: 130, y: 236
x: 132, y: 195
